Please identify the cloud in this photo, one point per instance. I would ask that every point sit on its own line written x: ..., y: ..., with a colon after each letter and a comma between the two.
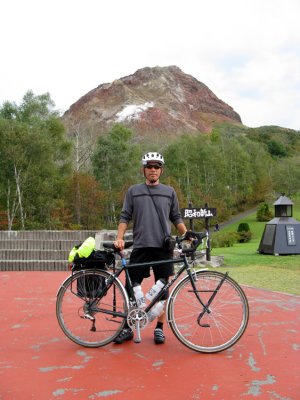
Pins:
x: 246, y: 51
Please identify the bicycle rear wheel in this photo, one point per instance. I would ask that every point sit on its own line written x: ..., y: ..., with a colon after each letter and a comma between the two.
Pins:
x: 221, y: 326
x: 84, y: 317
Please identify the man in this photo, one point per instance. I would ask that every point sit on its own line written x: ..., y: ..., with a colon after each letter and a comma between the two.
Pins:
x: 151, y: 206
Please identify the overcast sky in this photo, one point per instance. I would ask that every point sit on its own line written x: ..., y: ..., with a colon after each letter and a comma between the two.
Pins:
x: 246, y: 51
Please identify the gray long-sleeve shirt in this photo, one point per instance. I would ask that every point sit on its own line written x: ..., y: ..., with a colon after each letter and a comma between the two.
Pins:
x: 139, y: 208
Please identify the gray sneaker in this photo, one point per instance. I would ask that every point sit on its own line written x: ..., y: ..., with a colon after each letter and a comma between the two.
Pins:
x: 124, y: 335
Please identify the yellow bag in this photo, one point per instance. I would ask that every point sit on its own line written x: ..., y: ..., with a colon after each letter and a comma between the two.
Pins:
x: 83, y: 250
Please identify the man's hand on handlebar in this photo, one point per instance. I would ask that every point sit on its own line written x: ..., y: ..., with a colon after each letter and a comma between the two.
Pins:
x: 119, y: 244
x: 189, y: 235
x: 194, y: 238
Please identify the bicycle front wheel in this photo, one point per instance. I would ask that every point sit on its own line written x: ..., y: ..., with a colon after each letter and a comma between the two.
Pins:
x: 220, y: 325
x: 84, y: 316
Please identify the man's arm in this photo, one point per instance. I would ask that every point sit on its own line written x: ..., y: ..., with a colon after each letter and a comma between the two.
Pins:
x: 119, y: 242
x: 181, y: 228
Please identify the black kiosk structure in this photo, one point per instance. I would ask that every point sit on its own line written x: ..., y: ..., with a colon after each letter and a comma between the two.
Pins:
x: 282, y: 234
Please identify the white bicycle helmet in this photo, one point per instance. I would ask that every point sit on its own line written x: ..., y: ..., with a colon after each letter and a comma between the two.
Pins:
x: 152, y: 156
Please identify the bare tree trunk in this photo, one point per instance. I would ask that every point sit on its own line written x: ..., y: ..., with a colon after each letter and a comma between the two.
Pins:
x: 82, y: 146
x: 19, y: 195
x: 112, y: 206
x: 78, y: 200
x: 84, y: 141
x: 188, y: 186
x: 77, y: 168
x: 11, y: 210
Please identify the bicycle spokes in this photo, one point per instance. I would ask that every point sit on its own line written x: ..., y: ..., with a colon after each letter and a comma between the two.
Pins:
x: 215, y: 323
x: 85, y: 317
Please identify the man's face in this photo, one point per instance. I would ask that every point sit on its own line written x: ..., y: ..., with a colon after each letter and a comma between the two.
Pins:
x: 152, y: 171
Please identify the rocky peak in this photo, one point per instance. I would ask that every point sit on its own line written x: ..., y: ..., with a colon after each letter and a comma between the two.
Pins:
x: 152, y: 100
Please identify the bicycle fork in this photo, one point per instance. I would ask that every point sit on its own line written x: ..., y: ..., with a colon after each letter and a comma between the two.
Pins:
x: 206, y: 306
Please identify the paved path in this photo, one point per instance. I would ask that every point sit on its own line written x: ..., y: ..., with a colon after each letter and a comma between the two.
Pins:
x: 237, y: 217
x: 38, y: 362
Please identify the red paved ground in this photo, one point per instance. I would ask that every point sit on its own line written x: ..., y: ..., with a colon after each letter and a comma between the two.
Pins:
x: 38, y: 362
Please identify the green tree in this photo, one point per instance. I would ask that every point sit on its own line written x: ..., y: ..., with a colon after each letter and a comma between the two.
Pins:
x: 92, y: 204
x: 116, y: 163
x: 34, y: 160
x: 286, y: 175
x: 178, y: 164
x: 264, y: 213
x: 276, y: 149
x: 83, y: 144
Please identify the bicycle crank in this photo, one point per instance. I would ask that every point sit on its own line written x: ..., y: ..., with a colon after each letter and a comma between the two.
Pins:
x: 137, y: 319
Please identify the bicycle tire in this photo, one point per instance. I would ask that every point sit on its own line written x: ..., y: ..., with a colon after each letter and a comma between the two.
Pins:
x: 227, y: 318
x: 78, y: 301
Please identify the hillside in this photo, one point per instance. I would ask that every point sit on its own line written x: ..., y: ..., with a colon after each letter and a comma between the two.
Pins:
x: 152, y: 100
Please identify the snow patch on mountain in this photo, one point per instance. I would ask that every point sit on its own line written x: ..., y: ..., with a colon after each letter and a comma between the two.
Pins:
x: 133, y: 111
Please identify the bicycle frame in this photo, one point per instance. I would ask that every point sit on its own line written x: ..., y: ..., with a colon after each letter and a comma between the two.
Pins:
x: 185, y: 267
x: 125, y: 267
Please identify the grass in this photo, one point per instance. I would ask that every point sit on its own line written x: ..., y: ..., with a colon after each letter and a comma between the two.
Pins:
x: 247, y: 266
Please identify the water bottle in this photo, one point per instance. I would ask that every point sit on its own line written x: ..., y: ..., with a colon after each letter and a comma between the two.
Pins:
x: 156, y: 311
x: 139, y: 296
x: 155, y: 289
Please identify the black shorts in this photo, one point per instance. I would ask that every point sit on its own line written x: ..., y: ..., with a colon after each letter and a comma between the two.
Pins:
x: 137, y: 274
x: 163, y: 271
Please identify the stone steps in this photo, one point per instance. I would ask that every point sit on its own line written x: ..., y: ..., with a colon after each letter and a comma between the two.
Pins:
x: 34, y: 265
x: 46, y: 235
x: 32, y: 244
x: 38, y: 250
x: 44, y: 250
x: 17, y: 254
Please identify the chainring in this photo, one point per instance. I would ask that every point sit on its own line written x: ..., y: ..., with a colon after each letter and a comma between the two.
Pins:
x: 137, y: 315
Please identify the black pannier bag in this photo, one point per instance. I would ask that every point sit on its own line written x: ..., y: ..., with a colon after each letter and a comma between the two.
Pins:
x: 91, y: 286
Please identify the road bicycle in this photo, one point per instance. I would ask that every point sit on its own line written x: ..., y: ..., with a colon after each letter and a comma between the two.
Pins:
x: 207, y: 310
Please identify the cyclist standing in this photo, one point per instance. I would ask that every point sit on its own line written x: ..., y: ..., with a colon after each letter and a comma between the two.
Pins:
x: 152, y: 207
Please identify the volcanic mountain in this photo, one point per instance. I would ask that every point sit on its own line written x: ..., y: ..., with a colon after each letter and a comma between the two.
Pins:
x: 160, y: 100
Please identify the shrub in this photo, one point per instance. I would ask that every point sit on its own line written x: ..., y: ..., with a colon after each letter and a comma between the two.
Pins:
x: 263, y: 213
x: 224, y: 239
x: 244, y: 232
x: 243, y: 227
x: 244, y: 237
